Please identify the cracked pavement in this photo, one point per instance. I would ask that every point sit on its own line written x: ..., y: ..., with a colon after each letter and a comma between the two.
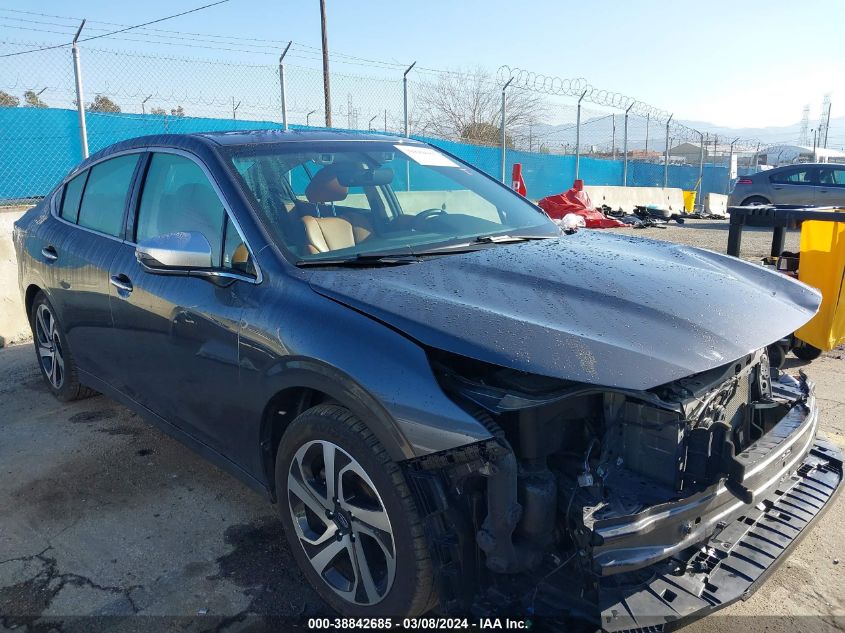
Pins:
x: 108, y: 524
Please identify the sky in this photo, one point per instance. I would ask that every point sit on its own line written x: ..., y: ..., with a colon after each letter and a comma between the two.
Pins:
x: 734, y: 64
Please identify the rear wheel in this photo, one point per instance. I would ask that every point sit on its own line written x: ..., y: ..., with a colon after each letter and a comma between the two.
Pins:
x: 58, y: 367
x: 755, y: 201
x: 350, y: 519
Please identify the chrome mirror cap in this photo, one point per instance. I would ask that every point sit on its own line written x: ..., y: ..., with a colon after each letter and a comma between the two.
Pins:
x: 183, y: 250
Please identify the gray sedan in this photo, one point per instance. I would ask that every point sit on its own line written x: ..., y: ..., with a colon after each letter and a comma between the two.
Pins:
x: 819, y: 184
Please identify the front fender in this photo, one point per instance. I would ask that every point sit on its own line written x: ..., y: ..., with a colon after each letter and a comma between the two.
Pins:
x: 293, y: 337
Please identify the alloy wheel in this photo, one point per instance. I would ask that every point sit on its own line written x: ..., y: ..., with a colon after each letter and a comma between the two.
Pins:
x: 341, y: 523
x: 49, y: 346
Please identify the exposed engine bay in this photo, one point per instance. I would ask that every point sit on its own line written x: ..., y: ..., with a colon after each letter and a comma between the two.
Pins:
x: 588, y: 494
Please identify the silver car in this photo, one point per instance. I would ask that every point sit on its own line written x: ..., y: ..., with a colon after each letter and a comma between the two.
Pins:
x: 819, y: 184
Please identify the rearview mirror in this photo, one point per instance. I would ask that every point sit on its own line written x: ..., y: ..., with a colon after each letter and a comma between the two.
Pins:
x: 365, y: 177
x: 172, y: 252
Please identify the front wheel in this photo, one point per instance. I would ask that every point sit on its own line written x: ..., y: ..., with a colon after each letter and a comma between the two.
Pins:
x: 350, y: 519
x: 805, y: 351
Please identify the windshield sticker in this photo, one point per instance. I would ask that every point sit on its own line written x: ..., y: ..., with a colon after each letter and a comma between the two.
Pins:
x: 426, y: 156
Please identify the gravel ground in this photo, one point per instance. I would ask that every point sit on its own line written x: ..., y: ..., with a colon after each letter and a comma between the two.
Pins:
x: 103, y: 515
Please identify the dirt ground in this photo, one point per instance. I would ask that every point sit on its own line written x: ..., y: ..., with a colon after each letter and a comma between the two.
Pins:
x: 102, y: 515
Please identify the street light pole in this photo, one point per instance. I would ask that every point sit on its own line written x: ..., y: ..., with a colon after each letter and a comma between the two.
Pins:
x: 666, y: 155
x: 370, y: 124
x: 308, y: 118
x: 578, y: 136
x: 327, y: 91
x: 143, y: 105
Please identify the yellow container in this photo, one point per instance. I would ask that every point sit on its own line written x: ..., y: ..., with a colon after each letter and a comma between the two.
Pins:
x: 689, y: 201
x: 822, y: 266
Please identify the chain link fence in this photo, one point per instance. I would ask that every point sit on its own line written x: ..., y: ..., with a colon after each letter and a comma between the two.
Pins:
x: 557, y: 129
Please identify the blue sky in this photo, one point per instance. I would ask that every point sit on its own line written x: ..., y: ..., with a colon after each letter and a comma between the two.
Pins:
x: 729, y: 63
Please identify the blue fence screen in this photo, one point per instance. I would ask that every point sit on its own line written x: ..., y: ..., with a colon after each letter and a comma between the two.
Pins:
x: 38, y: 147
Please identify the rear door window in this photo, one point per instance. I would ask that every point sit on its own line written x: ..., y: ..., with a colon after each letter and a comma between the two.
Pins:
x: 177, y: 196
x: 104, y: 200
x: 72, y: 198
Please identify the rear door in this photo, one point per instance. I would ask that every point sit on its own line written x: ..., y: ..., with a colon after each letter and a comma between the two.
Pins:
x: 178, y: 334
x: 794, y: 186
x: 93, y: 209
x: 831, y: 188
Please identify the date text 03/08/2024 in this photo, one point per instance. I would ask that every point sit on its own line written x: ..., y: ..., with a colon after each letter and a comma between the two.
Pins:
x: 479, y: 624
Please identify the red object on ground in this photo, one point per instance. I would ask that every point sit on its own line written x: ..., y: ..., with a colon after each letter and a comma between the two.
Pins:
x: 577, y: 201
x: 518, y: 184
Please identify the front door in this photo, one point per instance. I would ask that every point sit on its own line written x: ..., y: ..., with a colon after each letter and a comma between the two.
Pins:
x: 830, y: 191
x: 179, y: 333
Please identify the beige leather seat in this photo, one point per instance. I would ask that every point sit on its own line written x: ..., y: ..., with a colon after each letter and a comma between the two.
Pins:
x: 331, y: 233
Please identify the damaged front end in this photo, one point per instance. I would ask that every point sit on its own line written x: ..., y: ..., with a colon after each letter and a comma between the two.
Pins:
x: 627, y: 508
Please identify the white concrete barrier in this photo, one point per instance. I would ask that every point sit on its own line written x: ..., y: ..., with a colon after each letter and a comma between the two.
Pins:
x: 13, y: 323
x: 716, y: 204
x: 626, y: 198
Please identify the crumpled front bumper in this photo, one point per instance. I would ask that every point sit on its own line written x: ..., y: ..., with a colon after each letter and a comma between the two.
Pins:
x: 793, y: 476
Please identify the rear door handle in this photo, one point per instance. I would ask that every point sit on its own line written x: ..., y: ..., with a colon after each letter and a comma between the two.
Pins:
x: 121, y: 282
x: 49, y: 253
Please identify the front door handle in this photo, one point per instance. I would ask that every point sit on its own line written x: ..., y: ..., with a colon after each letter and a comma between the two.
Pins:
x: 121, y: 282
x: 49, y: 253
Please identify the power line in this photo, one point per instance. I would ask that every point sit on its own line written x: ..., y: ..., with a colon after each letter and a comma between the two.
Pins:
x: 123, y: 30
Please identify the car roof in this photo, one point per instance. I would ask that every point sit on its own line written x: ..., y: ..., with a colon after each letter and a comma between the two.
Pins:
x: 800, y: 165
x: 201, y: 142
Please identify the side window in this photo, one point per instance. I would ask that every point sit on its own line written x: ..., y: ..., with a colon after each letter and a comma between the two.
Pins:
x: 178, y: 197
x: 105, y: 195
x: 235, y: 253
x: 794, y: 177
x: 72, y: 198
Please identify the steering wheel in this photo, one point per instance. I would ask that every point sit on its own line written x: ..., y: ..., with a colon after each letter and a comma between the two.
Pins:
x: 422, y: 216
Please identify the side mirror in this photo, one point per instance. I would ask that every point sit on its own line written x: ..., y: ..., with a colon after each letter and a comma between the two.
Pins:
x: 174, y: 252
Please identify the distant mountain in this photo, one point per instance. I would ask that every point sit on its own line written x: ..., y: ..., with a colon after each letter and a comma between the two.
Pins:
x: 598, y: 132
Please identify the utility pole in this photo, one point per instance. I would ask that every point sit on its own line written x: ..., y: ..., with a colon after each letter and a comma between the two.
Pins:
x: 327, y: 91
x: 815, y: 135
x: 827, y: 127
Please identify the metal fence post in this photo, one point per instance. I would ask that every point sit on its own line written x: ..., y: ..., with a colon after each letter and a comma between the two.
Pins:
x: 578, y: 137
x: 613, y: 137
x: 730, y: 165
x: 504, y: 140
x: 666, y: 155
x: 625, y: 148
x: 701, y: 170
x: 647, y: 124
x: 405, y: 96
x: 80, y: 98
x: 282, y: 86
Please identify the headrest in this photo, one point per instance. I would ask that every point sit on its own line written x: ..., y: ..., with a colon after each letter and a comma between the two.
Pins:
x: 324, y: 186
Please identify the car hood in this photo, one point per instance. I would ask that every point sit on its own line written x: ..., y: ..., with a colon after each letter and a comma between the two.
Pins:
x: 597, y: 308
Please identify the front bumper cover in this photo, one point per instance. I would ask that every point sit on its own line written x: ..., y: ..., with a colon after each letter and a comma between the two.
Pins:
x: 735, y: 561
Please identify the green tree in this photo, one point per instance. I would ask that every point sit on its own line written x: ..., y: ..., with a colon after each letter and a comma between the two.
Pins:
x: 158, y: 111
x: 8, y: 101
x: 32, y: 100
x: 177, y: 111
x: 102, y: 103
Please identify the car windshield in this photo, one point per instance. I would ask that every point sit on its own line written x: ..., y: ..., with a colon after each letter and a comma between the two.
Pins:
x: 347, y: 200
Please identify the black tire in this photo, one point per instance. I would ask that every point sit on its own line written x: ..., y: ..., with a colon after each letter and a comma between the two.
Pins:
x: 412, y: 591
x: 805, y: 351
x: 754, y: 200
x: 777, y: 355
x: 61, y: 378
